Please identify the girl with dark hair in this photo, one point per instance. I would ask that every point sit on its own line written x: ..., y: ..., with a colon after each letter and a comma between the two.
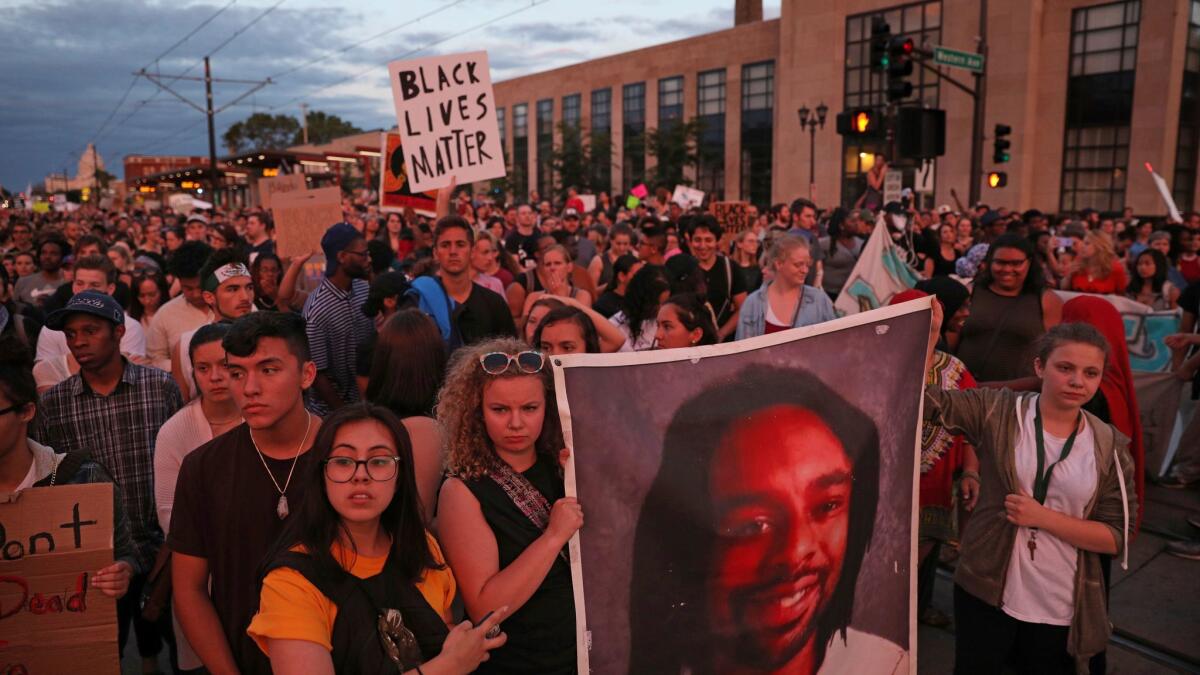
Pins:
x: 1057, y: 493
x: 503, y: 515
x: 1010, y: 308
x: 567, y: 330
x: 778, y: 542
x: 407, y: 367
x: 355, y: 583
x: 647, y: 290
x: 148, y: 292
x: 609, y: 302
x: 538, y: 311
x: 684, y: 321
x: 1150, y: 286
x: 944, y: 256
x: 843, y: 247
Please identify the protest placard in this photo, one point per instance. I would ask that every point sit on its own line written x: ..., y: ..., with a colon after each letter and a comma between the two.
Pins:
x: 687, y: 197
x: 301, y: 219
x: 395, y: 193
x: 52, y: 540
x: 589, y: 203
x: 639, y: 191
x: 733, y: 216
x: 702, y: 442
x: 269, y: 187
x: 446, y: 113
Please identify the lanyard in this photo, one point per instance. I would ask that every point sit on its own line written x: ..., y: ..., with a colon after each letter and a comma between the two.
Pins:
x: 1041, y: 481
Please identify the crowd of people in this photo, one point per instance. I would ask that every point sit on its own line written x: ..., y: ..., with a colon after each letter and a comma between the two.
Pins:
x: 311, y: 455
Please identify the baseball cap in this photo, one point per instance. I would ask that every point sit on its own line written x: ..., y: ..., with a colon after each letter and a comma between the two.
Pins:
x: 570, y: 213
x: 87, y: 302
x: 197, y: 216
x: 334, y: 241
x: 944, y: 209
x: 989, y: 218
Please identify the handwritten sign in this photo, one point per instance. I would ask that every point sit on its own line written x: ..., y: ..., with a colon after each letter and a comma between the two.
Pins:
x: 395, y: 193
x: 301, y: 219
x: 446, y: 112
x: 640, y: 191
x: 52, y: 540
x: 733, y: 216
x: 269, y: 187
x: 687, y: 197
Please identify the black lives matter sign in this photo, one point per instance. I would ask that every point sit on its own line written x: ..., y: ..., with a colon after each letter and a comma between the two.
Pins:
x: 446, y: 113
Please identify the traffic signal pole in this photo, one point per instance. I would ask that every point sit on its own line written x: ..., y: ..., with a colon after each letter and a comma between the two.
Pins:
x: 977, y: 121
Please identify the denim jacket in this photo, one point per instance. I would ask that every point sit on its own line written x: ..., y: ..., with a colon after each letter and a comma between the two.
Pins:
x: 815, y: 307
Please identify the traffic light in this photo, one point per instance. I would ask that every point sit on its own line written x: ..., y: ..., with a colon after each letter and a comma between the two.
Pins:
x: 899, y: 68
x: 881, y: 34
x: 861, y: 122
x: 920, y: 133
x: 1001, y: 144
x: 997, y: 179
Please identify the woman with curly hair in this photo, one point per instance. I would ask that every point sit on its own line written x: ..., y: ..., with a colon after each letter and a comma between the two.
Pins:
x: 1097, y: 270
x: 648, y: 289
x: 503, y: 518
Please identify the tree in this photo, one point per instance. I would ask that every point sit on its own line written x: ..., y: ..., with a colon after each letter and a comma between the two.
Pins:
x: 104, y: 178
x: 261, y: 131
x: 323, y: 128
x: 582, y: 161
x: 674, y: 147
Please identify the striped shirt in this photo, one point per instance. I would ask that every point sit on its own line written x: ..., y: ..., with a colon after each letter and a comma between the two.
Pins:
x: 118, y: 431
x: 337, y: 328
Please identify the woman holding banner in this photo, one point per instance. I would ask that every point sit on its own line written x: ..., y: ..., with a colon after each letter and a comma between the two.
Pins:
x: 503, y: 517
x: 1056, y: 495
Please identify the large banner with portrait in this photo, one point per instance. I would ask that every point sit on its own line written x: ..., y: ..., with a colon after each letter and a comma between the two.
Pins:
x: 749, y: 506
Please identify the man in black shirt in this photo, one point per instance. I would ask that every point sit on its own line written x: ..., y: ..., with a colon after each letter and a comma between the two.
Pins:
x: 235, y: 492
x: 478, y: 312
x: 522, y: 240
x: 726, y: 288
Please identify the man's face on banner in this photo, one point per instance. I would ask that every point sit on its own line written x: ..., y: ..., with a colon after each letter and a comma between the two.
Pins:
x: 781, y: 485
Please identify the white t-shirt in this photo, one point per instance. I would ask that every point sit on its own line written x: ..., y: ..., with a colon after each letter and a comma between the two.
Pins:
x: 52, y: 343
x: 1042, y: 590
x: 644, y: 342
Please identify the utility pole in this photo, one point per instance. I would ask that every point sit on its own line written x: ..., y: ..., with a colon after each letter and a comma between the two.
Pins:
x: 980, y: 107
x: 95, y: 173
x: 212, y: 134
x: 304, y: 120
x: 209, y: 111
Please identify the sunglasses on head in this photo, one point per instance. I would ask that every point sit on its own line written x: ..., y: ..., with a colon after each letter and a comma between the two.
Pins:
x: 528, y: 362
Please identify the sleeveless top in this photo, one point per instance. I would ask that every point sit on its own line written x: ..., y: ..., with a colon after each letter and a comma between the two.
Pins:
x: 997, y: 340
x: 606, y: 270
x: 541, y: 634
x: 532, y: 283
x: 357, y: 644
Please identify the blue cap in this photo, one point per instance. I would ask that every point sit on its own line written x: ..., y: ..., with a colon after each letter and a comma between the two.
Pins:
x: 335, y: 240
x: 87, y: 302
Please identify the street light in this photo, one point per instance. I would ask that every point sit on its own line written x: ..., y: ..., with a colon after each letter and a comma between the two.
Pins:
x: 811, y: 121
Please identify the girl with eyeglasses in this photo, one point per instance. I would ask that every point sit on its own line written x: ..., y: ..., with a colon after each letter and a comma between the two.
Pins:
x: 502, y: 515
x: 355, y: 583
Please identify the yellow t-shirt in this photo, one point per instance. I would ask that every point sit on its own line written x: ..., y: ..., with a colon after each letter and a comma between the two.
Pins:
x: 291, y: 608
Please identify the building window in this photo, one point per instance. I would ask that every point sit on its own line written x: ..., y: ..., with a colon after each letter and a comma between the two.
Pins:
x: 600, y: 143
x: 545, y: 147
x: 1099, y: 106
x: 758, y: 100
x: 503, y: 131
x: 520, y: 166
x: 710, y: 150
x: 1184, y: 184
x: 571, y: 106
x: 670, y: 100
x: 921, y: 21
x: 633, y: 157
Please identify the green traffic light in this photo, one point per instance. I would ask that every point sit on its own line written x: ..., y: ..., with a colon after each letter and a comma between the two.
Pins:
x: 885, y: 61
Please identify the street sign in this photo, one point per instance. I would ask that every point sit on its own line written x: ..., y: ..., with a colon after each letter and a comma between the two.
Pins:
x: 893, y: 182
x: 957, y: 59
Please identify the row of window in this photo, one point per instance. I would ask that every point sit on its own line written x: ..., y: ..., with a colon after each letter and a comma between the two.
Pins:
x: 758, y: 99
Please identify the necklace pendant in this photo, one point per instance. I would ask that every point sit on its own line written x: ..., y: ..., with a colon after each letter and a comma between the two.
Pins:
x: 282, y: 507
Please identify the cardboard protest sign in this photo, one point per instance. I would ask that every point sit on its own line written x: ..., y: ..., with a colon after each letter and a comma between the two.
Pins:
x: 269, y: 187
x: 301, y: 219
x: 632, y: 202
x: 879, y: 274
x: 51, y: 619
x: 687, y: 197
x: 673, y: 573
x: 446, y: 113
x: 589, y: 203
x: 733, y: 216
x: 395, y: 193
x: 639, y: 191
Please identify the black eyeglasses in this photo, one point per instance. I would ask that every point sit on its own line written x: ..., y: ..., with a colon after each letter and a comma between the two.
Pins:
x: 12, y: 408
x: 1011, y: 264
x: 342, y: 469
x: 528, y: 362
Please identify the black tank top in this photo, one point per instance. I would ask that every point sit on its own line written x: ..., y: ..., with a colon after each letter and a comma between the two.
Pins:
x: 997, y: 340
x: 541, y: 634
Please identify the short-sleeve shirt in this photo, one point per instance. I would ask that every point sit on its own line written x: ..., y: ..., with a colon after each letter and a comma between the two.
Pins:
x: 292, y: 608
x: 225, y: 512
x: 485, y: 314
x: 523, y: 246
x: 724, y: 283
x: 337, y: 328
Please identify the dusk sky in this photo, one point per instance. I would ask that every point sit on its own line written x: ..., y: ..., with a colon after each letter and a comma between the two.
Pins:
x: 67, y: 64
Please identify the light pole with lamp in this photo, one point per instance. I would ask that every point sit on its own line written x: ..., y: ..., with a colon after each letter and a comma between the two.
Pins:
x: 811, y: 120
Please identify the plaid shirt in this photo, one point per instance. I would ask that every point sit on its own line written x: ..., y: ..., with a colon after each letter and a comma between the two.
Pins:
x: 118, y: 431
